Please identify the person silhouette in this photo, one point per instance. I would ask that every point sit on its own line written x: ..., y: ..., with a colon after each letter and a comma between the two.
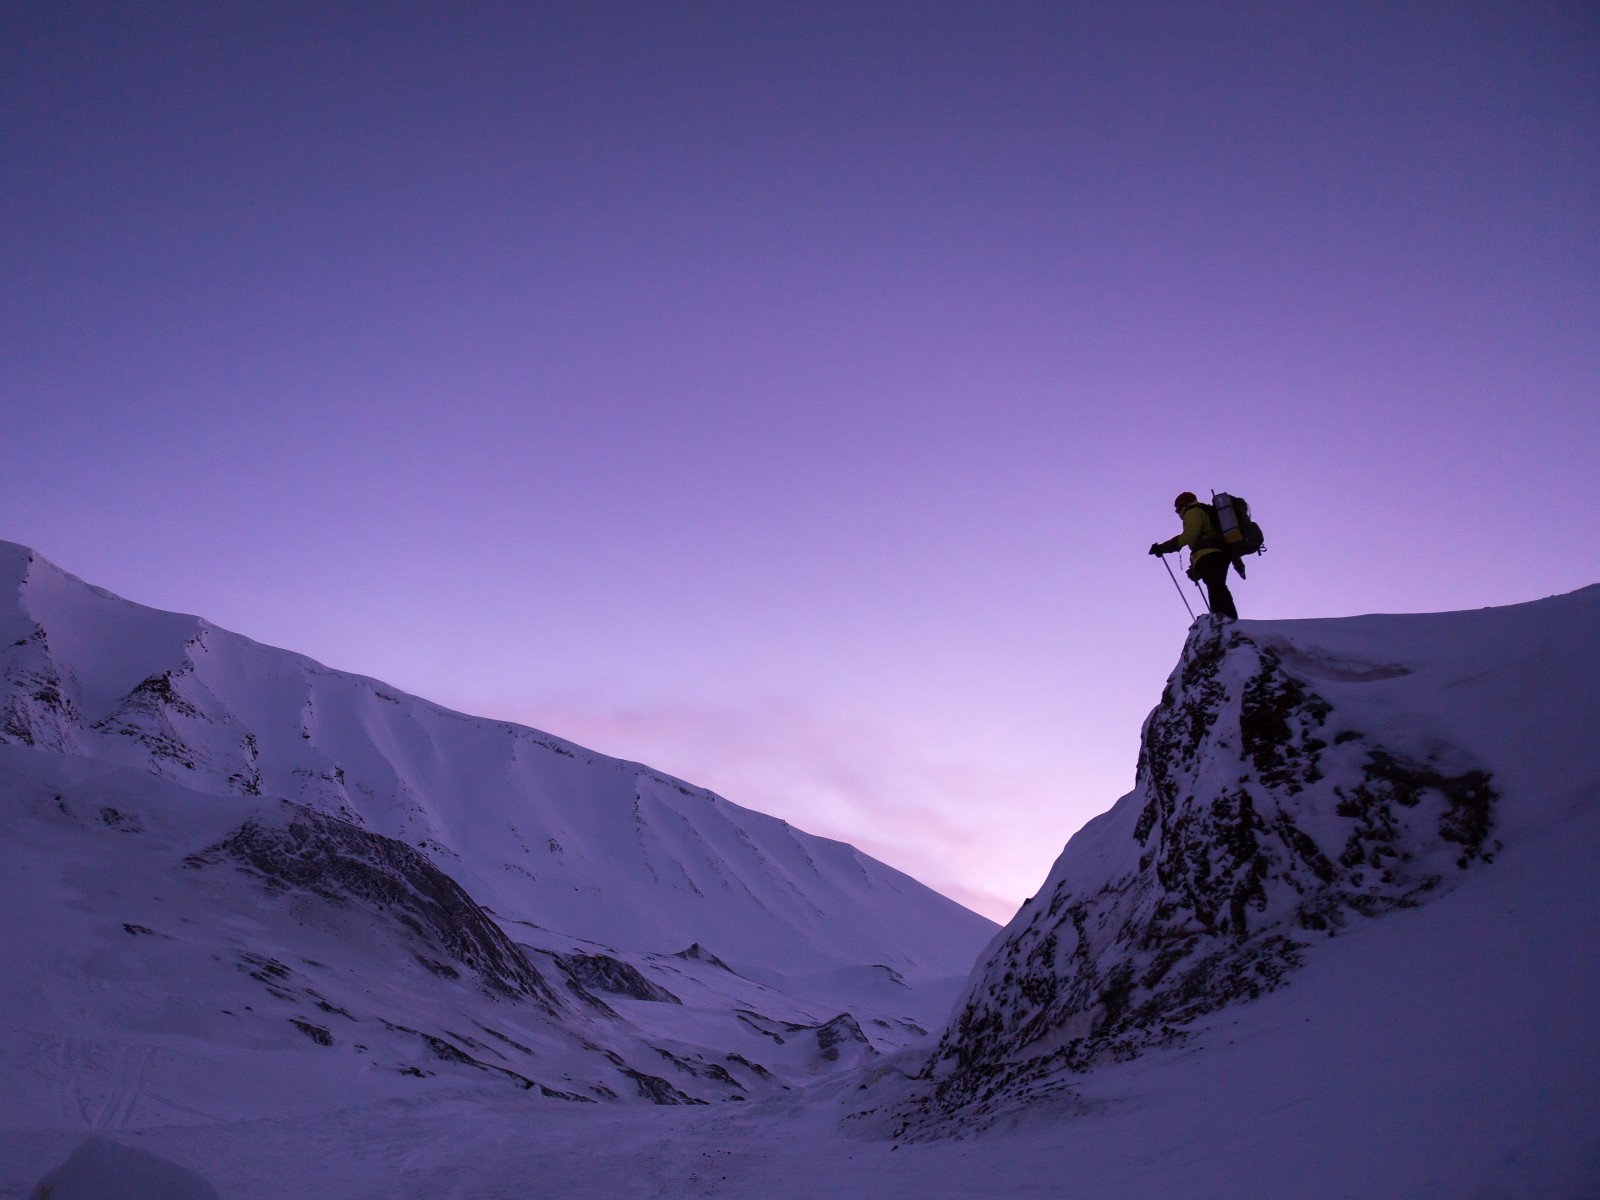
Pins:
x: 1208, y: 561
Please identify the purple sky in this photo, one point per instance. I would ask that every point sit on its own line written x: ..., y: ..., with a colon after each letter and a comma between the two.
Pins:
x: 785, y: 395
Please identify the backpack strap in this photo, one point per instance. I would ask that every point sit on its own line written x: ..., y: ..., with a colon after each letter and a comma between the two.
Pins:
x: 1211, y: 536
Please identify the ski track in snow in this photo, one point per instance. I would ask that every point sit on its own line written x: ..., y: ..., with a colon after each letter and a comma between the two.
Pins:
x: 97, y: 1085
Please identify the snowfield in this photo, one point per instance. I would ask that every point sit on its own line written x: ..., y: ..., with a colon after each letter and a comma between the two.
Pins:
x: 284, y: 931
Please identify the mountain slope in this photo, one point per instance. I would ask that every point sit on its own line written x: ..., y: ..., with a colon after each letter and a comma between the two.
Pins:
x: 1298, y: 782
x: 1421, y: 1032
x: 537, y: 829
x: 247, y: 885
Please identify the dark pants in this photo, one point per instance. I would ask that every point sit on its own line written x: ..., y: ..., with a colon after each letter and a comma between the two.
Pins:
x: 1212, y: 570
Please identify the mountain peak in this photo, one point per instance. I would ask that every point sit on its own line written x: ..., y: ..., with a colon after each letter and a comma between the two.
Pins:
x: 538, y: 828
x: 1296, y: 780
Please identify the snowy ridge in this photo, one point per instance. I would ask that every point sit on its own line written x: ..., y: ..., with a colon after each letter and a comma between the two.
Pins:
x: 536, y: 828
x: 302, y: 934
x: 1297, y: 780
x: 197, y: 957
x: 234, y: 864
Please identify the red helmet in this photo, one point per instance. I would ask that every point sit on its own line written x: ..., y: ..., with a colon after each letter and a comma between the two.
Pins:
x: 1184, y: 500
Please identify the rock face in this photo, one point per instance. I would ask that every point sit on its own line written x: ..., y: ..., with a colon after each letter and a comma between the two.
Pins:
x: 603, y: 973
x: 347, y: 865
x: 1260, y: 821
x: 37, y: 710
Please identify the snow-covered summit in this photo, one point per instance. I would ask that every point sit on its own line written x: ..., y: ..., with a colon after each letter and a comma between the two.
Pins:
x: 1297, y: 780
x: 536, y: 828
x: 242, y: 884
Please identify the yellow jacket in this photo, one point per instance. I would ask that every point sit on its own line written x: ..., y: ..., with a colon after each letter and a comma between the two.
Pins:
x: 1197, y: 526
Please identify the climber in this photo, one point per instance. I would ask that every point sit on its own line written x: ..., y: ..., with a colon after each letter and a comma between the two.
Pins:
x: 1208, y: 561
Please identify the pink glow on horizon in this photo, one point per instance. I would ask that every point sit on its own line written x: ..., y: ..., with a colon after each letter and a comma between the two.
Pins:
x: 942, y: 823
x: 787, y: 395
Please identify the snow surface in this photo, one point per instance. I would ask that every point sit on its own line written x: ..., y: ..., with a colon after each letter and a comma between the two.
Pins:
x: 162, y: 990
x: 535, y: 828
x: 101, y: 1169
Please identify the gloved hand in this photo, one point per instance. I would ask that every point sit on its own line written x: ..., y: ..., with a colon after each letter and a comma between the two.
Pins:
x: 1155, y: 548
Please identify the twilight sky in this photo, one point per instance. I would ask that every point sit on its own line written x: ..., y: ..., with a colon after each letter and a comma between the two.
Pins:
x: 785, y: 395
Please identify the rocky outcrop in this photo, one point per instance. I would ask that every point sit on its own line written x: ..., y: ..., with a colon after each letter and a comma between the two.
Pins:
x: 1259, y: 823
x: 839, y: 1041
x: 37, y: 709
x: 602, y: 973
x: 346, y: 865
x: 843, y: 1035
x: 698, y: 953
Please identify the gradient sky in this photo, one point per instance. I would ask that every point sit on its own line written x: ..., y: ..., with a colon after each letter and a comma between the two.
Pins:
x: 786, y: 395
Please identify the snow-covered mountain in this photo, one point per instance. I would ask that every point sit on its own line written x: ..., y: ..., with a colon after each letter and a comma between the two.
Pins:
x: 537, y: 828
x: 232, y: 862
x: 304, y: 935
x: 1300, y: 782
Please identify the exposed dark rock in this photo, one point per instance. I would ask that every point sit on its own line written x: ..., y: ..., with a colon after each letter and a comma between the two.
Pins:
x: 574, y: 985
x: 1254, y: 831
x: 554, y: 1094
x: 266, y: 969
x: 843, y: 1031
x: 269, y: 972
x: 512, y: 1042
x: 248, y: 778
x: 1277, y: 720
x: 720, y: 1073
x: 751, y: 1066
x: 764, y: 1025
x: 117, y: 819
x: 658, y: 1090
x: 606, y: 974
x: 147, y: 715
x: 316, y: 1033
x: 1391, y: 780
x: 698, y: 953
x: 38, y: 709
x: 449, y: 1053
x: 158, y: 690
x: 350, y: 866
x: 832, y: 1037
x: 329, y: 1007
x: 698, y: 1068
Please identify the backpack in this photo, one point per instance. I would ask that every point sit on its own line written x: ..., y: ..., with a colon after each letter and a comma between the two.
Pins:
x: 1236, y: 534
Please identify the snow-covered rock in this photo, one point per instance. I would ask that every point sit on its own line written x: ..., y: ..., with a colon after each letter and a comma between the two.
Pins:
x: 304, y: 850
x: 1296, y: 780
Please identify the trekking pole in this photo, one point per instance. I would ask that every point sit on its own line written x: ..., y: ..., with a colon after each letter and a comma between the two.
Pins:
x: 1177, y: 585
